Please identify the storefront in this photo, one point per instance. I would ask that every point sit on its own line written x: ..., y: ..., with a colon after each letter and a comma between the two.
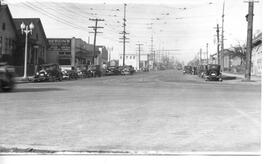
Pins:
x: 74, y: 52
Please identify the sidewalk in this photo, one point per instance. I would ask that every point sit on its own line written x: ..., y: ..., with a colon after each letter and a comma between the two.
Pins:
x: 242, y: 76
x: 20, y: 80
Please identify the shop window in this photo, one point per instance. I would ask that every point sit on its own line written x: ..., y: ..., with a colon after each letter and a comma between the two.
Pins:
x: 4, y: 26
x: 64, y: 61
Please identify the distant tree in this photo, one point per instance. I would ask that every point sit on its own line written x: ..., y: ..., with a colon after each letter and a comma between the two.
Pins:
x: 238, y: 51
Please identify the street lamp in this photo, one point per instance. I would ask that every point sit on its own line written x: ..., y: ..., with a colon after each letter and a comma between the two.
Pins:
x: 26, y: 29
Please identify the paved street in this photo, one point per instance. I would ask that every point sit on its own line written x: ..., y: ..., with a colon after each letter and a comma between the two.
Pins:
x: 157, y: 112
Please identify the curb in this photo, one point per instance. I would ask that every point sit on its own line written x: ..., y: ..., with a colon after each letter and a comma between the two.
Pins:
x: 21, y: 80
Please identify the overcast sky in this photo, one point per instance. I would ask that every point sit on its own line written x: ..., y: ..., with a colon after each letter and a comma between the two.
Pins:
x: 184, y: 26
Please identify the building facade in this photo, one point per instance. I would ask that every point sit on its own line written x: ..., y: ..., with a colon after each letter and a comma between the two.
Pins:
x: 133, y: 59
x: 69, y: 51
x: 37, y: 45
x: 8, y: 36
x: 256, y: 68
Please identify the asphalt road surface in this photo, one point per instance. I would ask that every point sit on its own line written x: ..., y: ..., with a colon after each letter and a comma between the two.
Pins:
x: 152, y: 112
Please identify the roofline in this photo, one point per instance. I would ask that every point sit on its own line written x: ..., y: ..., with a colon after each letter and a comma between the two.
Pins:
x: 11, y: 18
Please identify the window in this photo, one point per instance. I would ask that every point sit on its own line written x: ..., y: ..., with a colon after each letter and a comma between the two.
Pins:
x: 4, y: 26
x: 130, y: 57
x: 6, y: 44
x: 133, y: 57
x: 10, y: 43
x: 37, y: 36
x: 64, y: 61
x: 0, y: 44
x: 120, y: 57
x: 127, y: 57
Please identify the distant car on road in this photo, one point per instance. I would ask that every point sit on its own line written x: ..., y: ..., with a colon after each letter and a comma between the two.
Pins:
x: 187, y: 70
x: 128, y: 70
x: 49, y: 72
x: 112, y: 70
x: 95, y: 71
x: 201, y: 70
x: 7, y: 74
x: 213, y: 72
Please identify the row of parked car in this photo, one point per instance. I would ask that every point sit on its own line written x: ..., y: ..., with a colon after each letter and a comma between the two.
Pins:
x: 53, y: 72
x: 207, y: 72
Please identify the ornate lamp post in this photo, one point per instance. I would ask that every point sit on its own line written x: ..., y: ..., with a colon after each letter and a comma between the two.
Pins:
x: 26, y: 29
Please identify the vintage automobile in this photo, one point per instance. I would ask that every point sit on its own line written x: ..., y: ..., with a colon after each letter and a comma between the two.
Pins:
x: 127, y: 70
x: 213, y: 72
x: 69, y: 75
x: 7, y: 74
x: 95, y: 71
x: 194, y: 71
x: 49, y: 72
x: 201, y: 70
x: 112, y: 70
x: 187, y: 70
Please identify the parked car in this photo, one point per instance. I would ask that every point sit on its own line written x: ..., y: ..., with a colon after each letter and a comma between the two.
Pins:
x: 127, y: 70
x: 187, y: 70
x: 7, y: 74
x: 49, y: 72
x: 95, y: 71
x: 201, y: 70
x: 69, y: 74
x: 194, y: 71
x: 112, y: 70
x: 213, y: 72
x: 144, y: 69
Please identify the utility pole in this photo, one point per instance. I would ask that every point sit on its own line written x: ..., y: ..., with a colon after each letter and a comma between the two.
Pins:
x: 218, y: 55
x: 249, y: 18
x: 152, y: 49
x: 222, y: 39
x: 139, y: 46
x: 95, y: 35
x: 200, y: 56
x: 124, y: 35
x: 207, y: 53
x: 154, y: 60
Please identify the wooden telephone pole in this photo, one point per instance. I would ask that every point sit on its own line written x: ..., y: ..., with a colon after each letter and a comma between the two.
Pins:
x: 222, y: 40
x: 95, y: 35
x: 124, y: 35
x: 218, y: 55
x: 249, y: 18
x: 139, y: 46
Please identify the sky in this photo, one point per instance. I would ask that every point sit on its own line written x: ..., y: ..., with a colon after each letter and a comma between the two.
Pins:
x: 179, y: 28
